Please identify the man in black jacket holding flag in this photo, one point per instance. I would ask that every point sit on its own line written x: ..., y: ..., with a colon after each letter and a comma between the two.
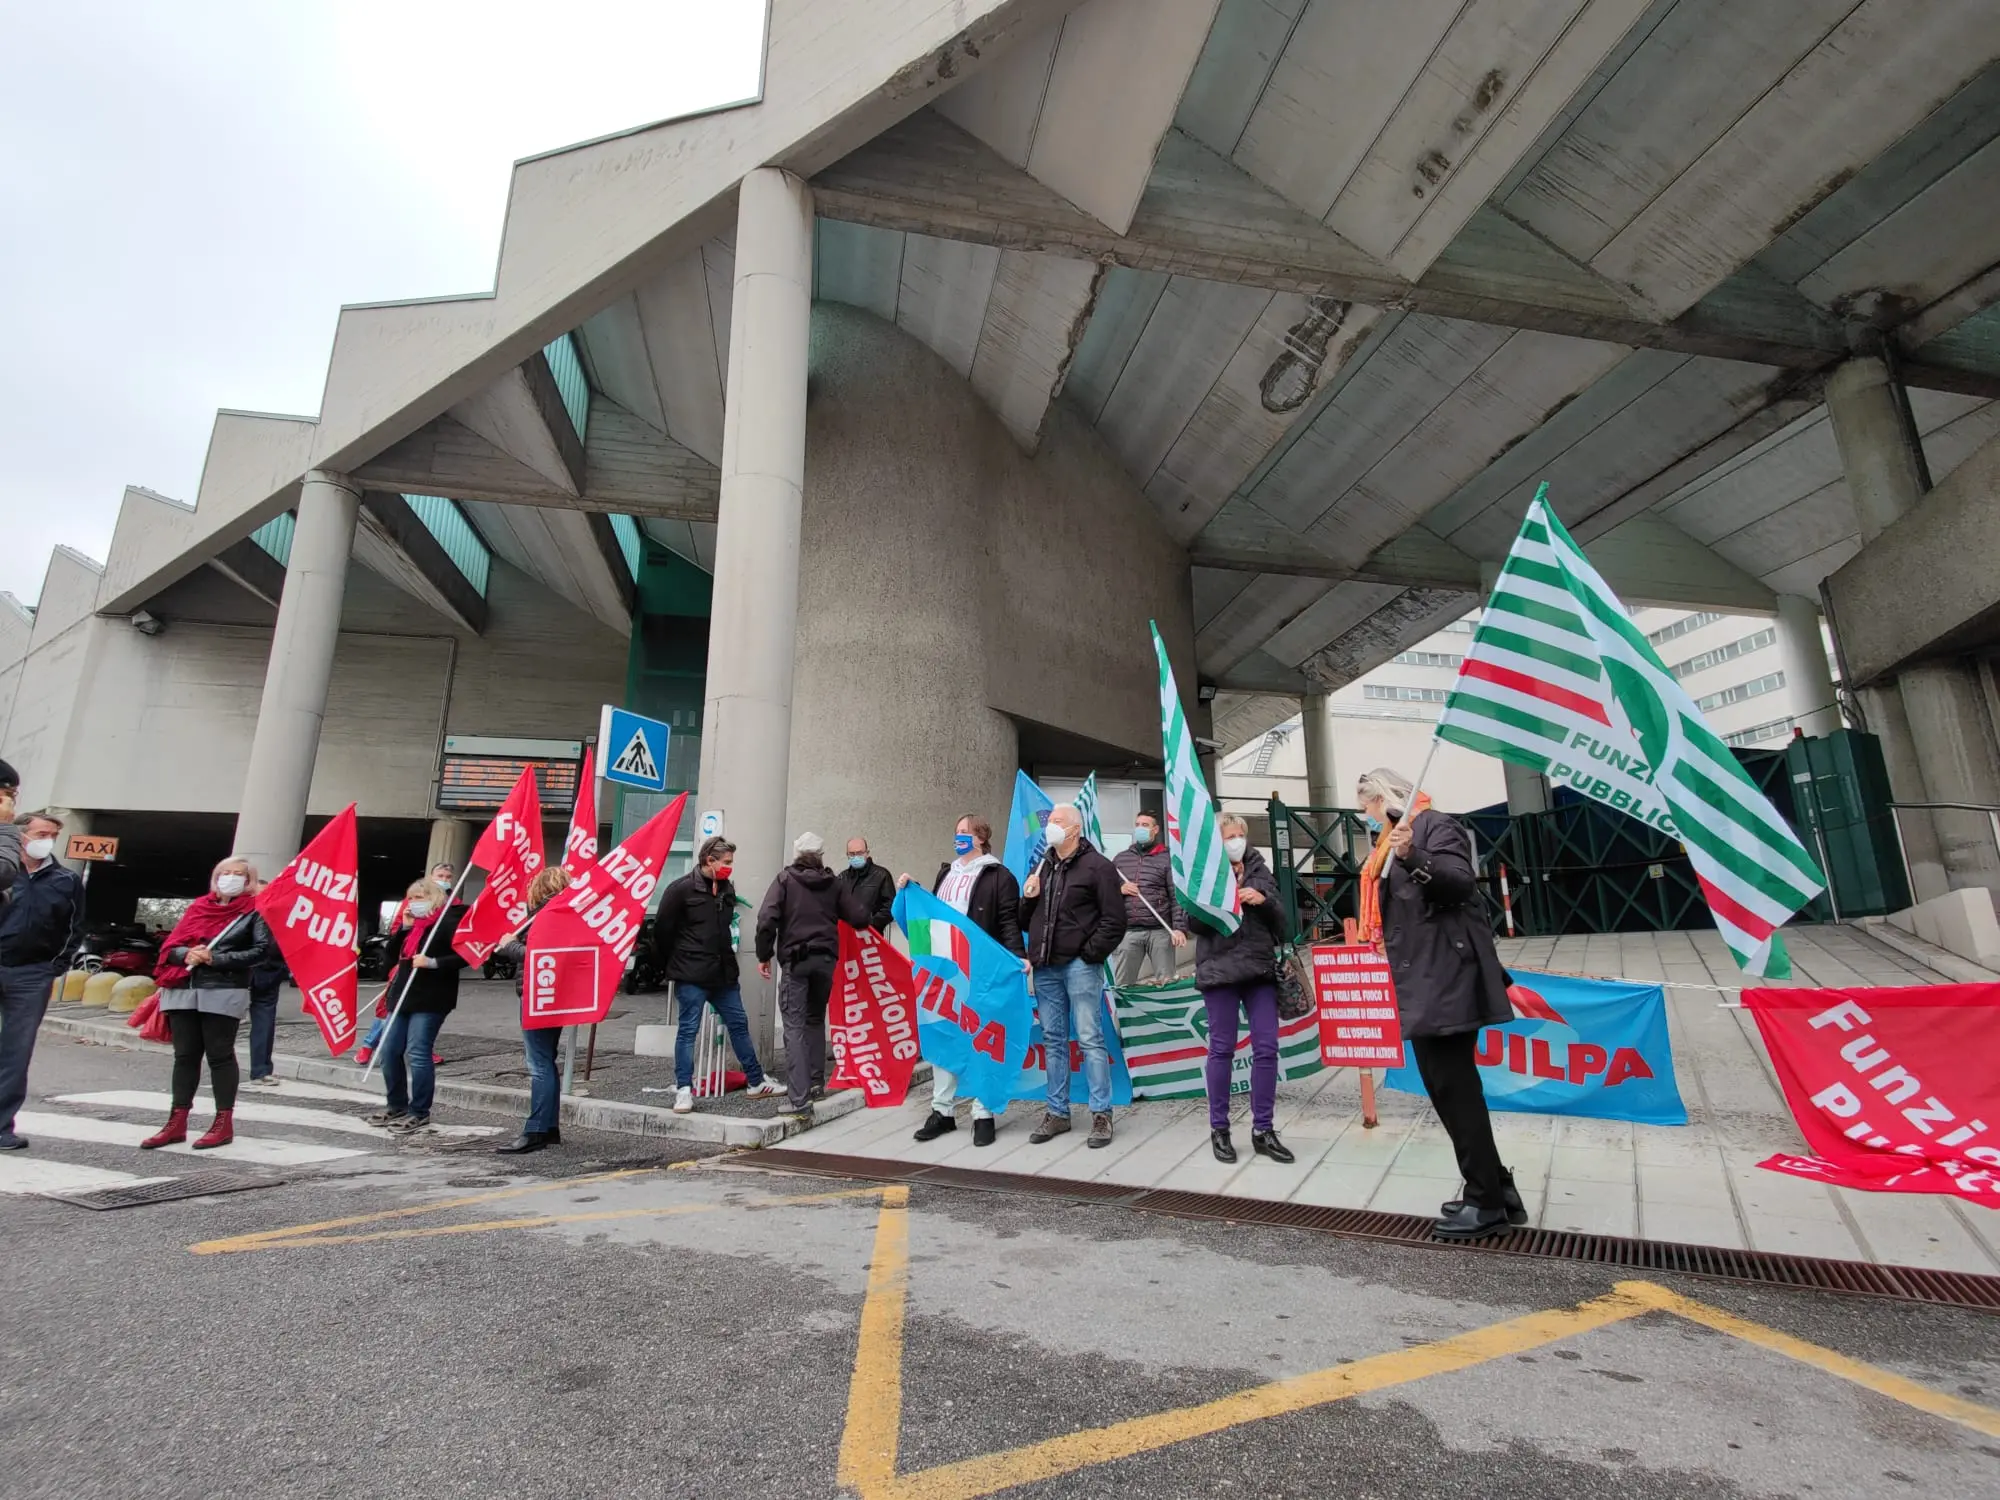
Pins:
x: 1075, y: 915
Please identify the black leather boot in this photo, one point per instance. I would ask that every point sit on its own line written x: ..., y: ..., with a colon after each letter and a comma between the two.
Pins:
x: 982, y: 1132
x: 936, y: 1126
x: 1469, y: 1223
x: 1266, y: 1143
x: 1222, y: 1145
x: 1517, y: 1211
x: 522, y: 1144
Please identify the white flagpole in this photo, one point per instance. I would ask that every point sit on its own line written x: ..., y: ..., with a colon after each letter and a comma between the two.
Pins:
x: 422, y: 952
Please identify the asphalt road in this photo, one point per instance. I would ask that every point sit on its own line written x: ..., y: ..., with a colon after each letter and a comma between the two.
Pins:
x: 692, y: 1330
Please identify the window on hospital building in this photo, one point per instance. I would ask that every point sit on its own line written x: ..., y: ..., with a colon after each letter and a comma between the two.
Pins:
x: 1756, y: 688
x: 1721, y: 654
x: 1406, y: 694
x: 1681, y: 627
x: 1429, y: 659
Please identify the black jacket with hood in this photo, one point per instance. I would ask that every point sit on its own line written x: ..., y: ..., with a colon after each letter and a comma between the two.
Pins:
x: 873, y: 889
x: 1250, y: 953
x: 802, y: 913
x: 995, y: 904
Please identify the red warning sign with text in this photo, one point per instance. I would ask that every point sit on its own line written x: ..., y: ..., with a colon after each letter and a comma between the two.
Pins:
x: 1358, y: 1027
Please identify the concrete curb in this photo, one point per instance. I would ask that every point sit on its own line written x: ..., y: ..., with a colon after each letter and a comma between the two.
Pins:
x: 1959, y: 970
x: 611, y: 1115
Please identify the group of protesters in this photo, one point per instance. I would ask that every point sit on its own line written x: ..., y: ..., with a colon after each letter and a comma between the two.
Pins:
x: 1077, y: 911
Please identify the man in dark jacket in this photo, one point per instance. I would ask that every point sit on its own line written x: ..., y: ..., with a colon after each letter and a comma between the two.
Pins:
x: 696, y: 947
x: 1075, y: 916
x: 799, y: 926
x: 41, y: 926
x: 868, y: 886
x: 1449, y: 983
x: 1155, y: 924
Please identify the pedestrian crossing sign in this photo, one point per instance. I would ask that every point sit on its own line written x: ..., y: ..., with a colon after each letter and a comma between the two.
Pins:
x: 632, y: 749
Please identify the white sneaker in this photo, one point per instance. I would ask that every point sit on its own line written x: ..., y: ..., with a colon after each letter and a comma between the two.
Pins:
x: 268, y: 1081
x: 683, y: 1101
x: 765, y: 1089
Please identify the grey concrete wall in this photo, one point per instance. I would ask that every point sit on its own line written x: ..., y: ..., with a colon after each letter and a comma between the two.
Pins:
x: 1928, y: 583
x: 950, y: 583
x: 118, y: 720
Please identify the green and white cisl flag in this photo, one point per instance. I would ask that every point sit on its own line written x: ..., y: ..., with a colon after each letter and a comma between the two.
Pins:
x: 1086, y: 812
x: 1560, y: 679
x: 1203, y: 880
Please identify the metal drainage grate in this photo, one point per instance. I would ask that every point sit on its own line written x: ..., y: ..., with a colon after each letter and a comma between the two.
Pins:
x: 140, y: 1194
x: 1904, y: 1283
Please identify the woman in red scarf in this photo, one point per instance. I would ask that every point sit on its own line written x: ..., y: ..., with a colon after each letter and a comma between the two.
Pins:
x: 426, y: 980
x: 204, y: 978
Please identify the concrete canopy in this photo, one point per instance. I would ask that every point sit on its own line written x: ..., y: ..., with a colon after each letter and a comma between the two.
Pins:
x: 1337, y: 283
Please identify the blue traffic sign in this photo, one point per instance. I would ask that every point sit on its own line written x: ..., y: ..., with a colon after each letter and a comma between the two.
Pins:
x: 632, y: 749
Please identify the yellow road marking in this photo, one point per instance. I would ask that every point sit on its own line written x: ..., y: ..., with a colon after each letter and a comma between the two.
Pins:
x: 992, y: 1473
x: 304, y: 1236
x: 875, y: 1394
x: 1983, y: 1419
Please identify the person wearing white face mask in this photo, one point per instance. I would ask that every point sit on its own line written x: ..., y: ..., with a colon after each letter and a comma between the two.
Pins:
x: 204, y: 979
x: 1237, y: 974
x: 41, y: 925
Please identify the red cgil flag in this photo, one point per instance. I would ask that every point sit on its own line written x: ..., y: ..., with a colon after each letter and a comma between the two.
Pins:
x: 313, y: 910
x: 873, y: 1019
x: 510, y: 852
x: 580, y: 848
x: 579, y: 944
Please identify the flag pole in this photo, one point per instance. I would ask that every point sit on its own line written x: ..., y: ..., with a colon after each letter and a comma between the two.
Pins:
x: 423, y: 952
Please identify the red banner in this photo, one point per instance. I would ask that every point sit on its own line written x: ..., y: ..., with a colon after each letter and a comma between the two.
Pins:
x: 579, y: 944
x: 1895, y: 1090
x: 510, y: 852
x: 312, y: 908
x: 1358, y: 1025
x: 580, y: 848
x: 873, y: 1019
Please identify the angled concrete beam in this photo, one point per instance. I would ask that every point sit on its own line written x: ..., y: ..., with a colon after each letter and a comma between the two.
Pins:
x: 522, y: 414
x: 1204, y: 217
x: 251, y: 568
x: 565, y: 551
x: 1393, y: 627
x: 629, y: 467
x: 622, y: 584
x: 392, y: 540
x: 1416, y: 559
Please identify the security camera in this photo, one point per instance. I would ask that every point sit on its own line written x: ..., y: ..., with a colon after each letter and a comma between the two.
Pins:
x: 147, y: 623
x: 1207, y: 744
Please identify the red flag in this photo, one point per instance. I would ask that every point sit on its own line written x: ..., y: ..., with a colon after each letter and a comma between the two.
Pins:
x: 510, y: 852
x: 312, y: 908
x: 580, y: 848
x: 1895, y: 1090
x: 873, y: 1019
x: 579, y: 944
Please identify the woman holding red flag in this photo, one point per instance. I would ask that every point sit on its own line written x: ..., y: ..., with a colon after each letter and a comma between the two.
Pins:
x: 543, y: 1126
x: 204, y: 979
x: 425, y: 980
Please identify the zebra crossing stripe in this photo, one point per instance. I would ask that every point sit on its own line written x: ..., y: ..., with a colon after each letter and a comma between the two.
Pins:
x: 258, y: 1112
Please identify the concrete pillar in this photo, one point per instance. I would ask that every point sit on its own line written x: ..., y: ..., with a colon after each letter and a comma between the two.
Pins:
x: 286, y: 743
x: 451, y: 842
x: 1322, y: 785
x: 1887, y: 721
x: 1949, y: 724
x: 1802, y: 654
x: 747, y: 708
x: 1879, y: 451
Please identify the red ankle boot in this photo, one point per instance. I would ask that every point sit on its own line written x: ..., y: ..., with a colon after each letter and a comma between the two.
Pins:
x: 170, y: 1134
x: 221, y: 1133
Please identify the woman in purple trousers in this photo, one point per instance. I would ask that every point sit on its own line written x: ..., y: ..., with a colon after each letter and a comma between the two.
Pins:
x: 1237, y: 974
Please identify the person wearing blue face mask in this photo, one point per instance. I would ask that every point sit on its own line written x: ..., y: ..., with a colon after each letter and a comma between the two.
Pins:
x: 868, y: 885
x: 1155, y: 924
x: 974, y: 882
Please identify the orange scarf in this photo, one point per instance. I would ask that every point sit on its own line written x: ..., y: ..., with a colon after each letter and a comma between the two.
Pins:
x: 1367, y: 928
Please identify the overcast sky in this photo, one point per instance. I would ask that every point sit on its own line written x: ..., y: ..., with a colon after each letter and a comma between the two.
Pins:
x: 189, y: 191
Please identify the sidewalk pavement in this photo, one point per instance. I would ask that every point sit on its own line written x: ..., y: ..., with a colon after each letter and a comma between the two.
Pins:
x: 1697, y: 1184
x: 483, y: 1067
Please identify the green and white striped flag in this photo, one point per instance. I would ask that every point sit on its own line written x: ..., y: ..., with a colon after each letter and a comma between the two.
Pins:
x: 1560, y: 679
x: 1203, y: 880
x: 1086, y: 811
x: 1164, y: 1031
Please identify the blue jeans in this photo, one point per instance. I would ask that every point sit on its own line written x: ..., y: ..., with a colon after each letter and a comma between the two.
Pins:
x: 24, y: 996
x: 544, y: 1079
x: 728, y: 1004
x: 1069, y: 995
x: 263, y: 1034
x: 407, y: 1071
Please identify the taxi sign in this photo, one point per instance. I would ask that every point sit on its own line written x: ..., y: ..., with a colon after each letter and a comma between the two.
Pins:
x: 87, y: 846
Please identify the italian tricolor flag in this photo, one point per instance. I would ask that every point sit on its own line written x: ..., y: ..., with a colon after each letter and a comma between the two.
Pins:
x: 933, y: 937
x: 1561, y: 680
